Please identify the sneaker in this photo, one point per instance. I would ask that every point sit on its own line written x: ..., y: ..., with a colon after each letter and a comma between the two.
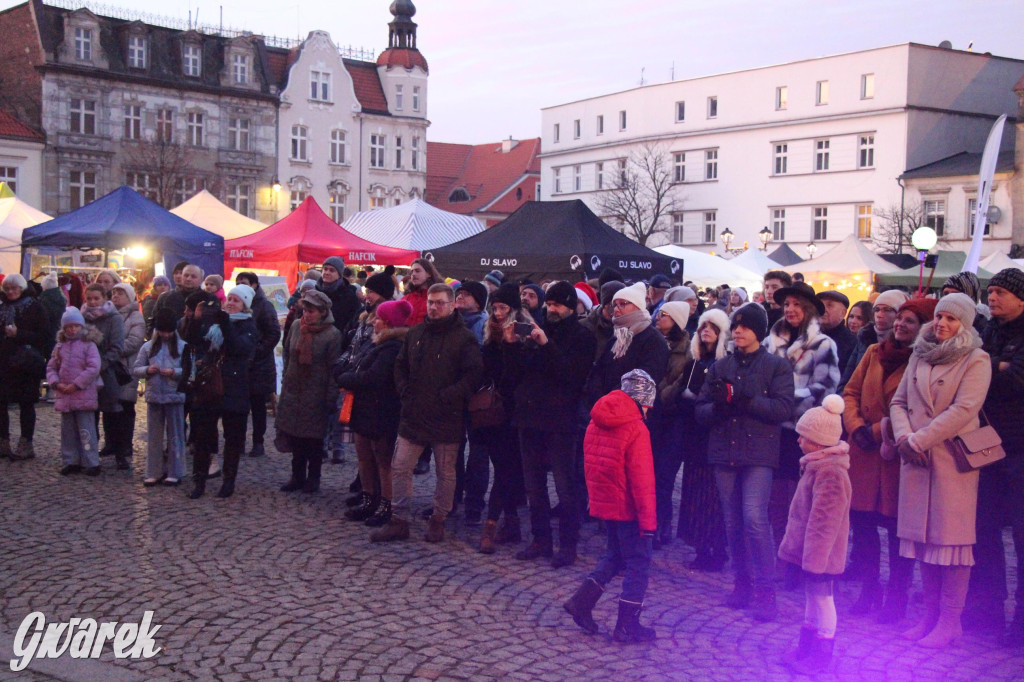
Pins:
x: 150, y: 482
x: 69, y: 469
x: 171, y: 481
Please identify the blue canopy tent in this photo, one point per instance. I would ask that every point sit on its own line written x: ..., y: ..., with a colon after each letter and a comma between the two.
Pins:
x: 125, y: 220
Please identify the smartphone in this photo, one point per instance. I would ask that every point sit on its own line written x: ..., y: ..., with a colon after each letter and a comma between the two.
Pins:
x: 523, y: 329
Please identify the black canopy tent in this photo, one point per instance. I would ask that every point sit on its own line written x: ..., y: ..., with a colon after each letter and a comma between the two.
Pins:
x: 785, y: 255
x: 551, y: 239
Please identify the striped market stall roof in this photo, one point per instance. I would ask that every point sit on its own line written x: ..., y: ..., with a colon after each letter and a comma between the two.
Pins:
x: 412, y: 225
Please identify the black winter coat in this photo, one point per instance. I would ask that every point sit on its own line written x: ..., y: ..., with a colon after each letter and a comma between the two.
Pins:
x: 647, y: 351
x: 240, y: 338
x: 376, y: 406
x: 263, y: 370
x: 175, y: 300
x: 1004, y: 404
x: 54, y: 304
x: 27, y: 315
x: 437, y: 370
x: 345, y: 304
x: 551, y: 377
x: 846, y: 343
x: 747, y: 432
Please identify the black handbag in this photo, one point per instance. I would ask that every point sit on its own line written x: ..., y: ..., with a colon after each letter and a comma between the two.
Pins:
x: 486, y: 408
x: 208, y: 382
x: 28, y: 361
x: 121, y: 374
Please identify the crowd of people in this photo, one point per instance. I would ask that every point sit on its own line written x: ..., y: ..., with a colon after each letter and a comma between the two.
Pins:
x: 800, y: 422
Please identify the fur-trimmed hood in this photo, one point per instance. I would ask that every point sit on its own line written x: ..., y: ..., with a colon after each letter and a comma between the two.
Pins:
x: 88, y: 333
x: 390, y: 333
x: 717, y: 317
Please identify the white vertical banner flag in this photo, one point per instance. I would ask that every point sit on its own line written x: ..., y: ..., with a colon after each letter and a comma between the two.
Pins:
x: 985, y: 175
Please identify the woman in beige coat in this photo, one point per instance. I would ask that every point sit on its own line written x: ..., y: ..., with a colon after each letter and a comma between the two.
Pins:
x: 938, y: 398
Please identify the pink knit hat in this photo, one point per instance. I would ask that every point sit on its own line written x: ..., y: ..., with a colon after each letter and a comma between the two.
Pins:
x: 394, y: 313
x: 823, y: 425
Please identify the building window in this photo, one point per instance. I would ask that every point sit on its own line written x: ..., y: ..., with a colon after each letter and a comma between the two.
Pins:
x: 9, y: 174
x: 867, y: 86
x: 187, y: 188
x: 779, y: 224
x: 398, y: 151
x: 821, y: 93
x: 296, y: 198
x: 240, y: 68
x: 577, y: 129
x: 238, y: 197
x: 320, y: 86
x: 83, y: 116
x: 415, y: 98
x: 238, y: 134
x: 711, y: 164
x: 679, y: 167
x: 577, y: 178
x: 300, y: 138
x: 83, y: 188
x: 864, y: 221
x: 821, y: 154
x: 137, y: 52
x: 338, y: 146
x: 820, y: 223
x: 557, y: 133
x: 972, y: 211
x: 599, y: 175
x: 164, y: 125
x: 677, y: 228
x: 192, y: 60
x: 680, y: 112
x: 414, y: 153
x: 781, y: 158
x: 132, y: 122
x: 376, y: 151
x: 781, y: 98
x: 935, y: 216
x: 457, y: 195
x: 710, y: 218
x: 558, y: 181
x: 599, y: 126
x: 622, y: 120
x: 83, y: 44
x: 399, y: 98
x: 377, y: 199
x: 622, y: 172
x: 712, y: 107
x: 336, y: 205
x: 144, y: 184
x: 866, y: 151
x: 194, y: 130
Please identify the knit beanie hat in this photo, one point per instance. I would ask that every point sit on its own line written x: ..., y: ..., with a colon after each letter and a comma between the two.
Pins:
x: 394, y: 313
x: 72, y: 315
x: 639, y: 386
x: 752, y: 316
x: 198, y: 298
x: 1010, y: 279
x: 160, y: 279
x: 317, y: 299
x: 959, y: 306
x: 678, y: 311
x: 307, y: 284
x: 128, y: 290
x: 381, y: 284
x: 563, y: 293
x: 681, y: 294
x: 635, y: 294
x: 314, y: 274
x: 336, y: 262
x: 823, y: 425
x: 892, y: 298
x: 609, y: 289
x: 164, y: 320
x: 244, y: 292
x: 508, y: 294
x: 965, y: 283
x: 537, y: 290
x: 742, y: 293
x: 495, y: 277
x: 17, y: 280
x: 477, y: 290
x: 924, y: 308
x: 49, y: 282
x: 584, y: 290
x: 609, y: 275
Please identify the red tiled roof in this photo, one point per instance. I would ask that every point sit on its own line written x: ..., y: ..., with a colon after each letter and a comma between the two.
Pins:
x: 366, y: 81
x: 279, y: 61
x: 12, y: 127
x: 404, y: 57
x: 483, y: 170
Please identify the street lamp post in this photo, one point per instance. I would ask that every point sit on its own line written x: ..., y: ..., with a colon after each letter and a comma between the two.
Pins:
x: 923, y: 239
x: 765, y: 235
x: 727, y: 237
x: 812, y: 248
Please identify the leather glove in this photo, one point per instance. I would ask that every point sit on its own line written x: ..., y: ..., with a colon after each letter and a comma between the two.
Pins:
x: 863, y: 439
x: 911, y: 456
x: 721, y: 392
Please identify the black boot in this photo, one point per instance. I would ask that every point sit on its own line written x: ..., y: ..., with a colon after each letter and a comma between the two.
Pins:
x: 200, y: 467
x: 763, y: 605
x: 231, y: 458
x: 313, y: 477
x: 581, y: 605
x: 365, y: 510
x: 741, y: 591
x: 628, y: 628
x: 382, y: 516
x: 818, y: 657
x: 870, y: 598
x: 199, y: 488
x: 1014, y: 635
x: 803, y: 647
x: 298, y: 478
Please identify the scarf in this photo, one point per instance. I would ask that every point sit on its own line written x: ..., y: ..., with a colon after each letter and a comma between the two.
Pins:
x: 93, y: 313
x: 306, y: 334
x: 241, y: 316
x: 929, y: 349
x: 892, y: 355
x: 626, y: 327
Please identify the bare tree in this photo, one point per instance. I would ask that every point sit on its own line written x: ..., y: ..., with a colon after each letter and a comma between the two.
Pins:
x: 167, y: 167
x: 642, y: 195
x: 893, y: 228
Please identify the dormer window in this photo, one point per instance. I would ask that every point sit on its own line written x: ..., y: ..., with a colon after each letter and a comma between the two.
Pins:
x: 320, y: 86
x: 83, y: 44
x: 192, y: 60
x: 137, y: 52
x: 240, y: 69
x: 458, y: 194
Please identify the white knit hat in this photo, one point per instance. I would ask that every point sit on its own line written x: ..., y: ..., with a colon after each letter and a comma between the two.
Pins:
x: 893, y: 298
x: 960, y: 306
x: 635, y: 294
x: 678, y: 311
x: 823, y: 425
x: 244, y: 292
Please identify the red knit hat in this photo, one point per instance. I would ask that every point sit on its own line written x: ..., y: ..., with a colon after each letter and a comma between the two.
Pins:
x: 924, y: 308
x: 394, y: 313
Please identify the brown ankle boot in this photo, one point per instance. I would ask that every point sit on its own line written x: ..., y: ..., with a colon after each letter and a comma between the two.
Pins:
x: 435, y: 529
x: 487, y: 543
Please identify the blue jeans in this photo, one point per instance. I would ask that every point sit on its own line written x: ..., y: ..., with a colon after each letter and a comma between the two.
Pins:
x: 626, y: 550
x: 744, y: 492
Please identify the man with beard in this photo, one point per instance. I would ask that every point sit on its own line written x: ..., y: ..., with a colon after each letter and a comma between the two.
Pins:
x: 532, y: 295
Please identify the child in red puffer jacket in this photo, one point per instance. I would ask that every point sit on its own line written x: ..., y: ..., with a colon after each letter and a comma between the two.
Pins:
x: 619, y: 469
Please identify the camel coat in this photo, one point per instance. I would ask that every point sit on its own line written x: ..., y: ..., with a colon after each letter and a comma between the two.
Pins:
x: 876, y: 482
x: 938, y: 504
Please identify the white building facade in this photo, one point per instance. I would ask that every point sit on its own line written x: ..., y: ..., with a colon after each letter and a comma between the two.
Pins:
x: 810, y: 149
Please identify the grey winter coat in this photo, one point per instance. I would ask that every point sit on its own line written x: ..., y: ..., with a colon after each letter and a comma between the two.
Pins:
x: 111, y: 326
x: 160, y: 389
x: 134, y: 337
x: 309, y: 392
x: 263, y: 370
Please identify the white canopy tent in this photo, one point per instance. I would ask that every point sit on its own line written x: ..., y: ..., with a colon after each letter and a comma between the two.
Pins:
x: 706, y: 270
x: 15, y: 216
x: 756, y: 260
x: 206, y: 211
x: 849, y: 265
x: 412, y: 225
x: 999, y: 261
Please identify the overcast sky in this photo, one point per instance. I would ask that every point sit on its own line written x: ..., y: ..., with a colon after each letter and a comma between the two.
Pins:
x: 493, y: 65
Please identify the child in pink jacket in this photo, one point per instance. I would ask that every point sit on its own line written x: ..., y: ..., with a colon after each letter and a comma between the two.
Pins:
x: 74, y: 369
x: 816, y: 534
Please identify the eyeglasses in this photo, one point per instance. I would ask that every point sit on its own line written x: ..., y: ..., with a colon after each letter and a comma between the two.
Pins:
x: 620, y: 304
x: 438, y: 304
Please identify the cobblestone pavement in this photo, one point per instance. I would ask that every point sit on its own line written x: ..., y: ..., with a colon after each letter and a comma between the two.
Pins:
x: 272, y: 586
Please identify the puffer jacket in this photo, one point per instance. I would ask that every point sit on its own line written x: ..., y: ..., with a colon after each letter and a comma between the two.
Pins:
x: 263, y: 369
x: 160, y: 389
x: 814, y: 361
x: 618, y: 463
x: 747, y: 432
x: 819, y: 515
x: 308, y: 392
x: 134, y: 337
x: 76, y: 361
x: 376, y: 406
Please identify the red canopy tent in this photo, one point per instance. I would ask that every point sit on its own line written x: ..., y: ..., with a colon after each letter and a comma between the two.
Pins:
x: 306, y: 235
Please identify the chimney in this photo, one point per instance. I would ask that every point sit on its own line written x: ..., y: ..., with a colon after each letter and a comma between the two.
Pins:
x: 508, y: 145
